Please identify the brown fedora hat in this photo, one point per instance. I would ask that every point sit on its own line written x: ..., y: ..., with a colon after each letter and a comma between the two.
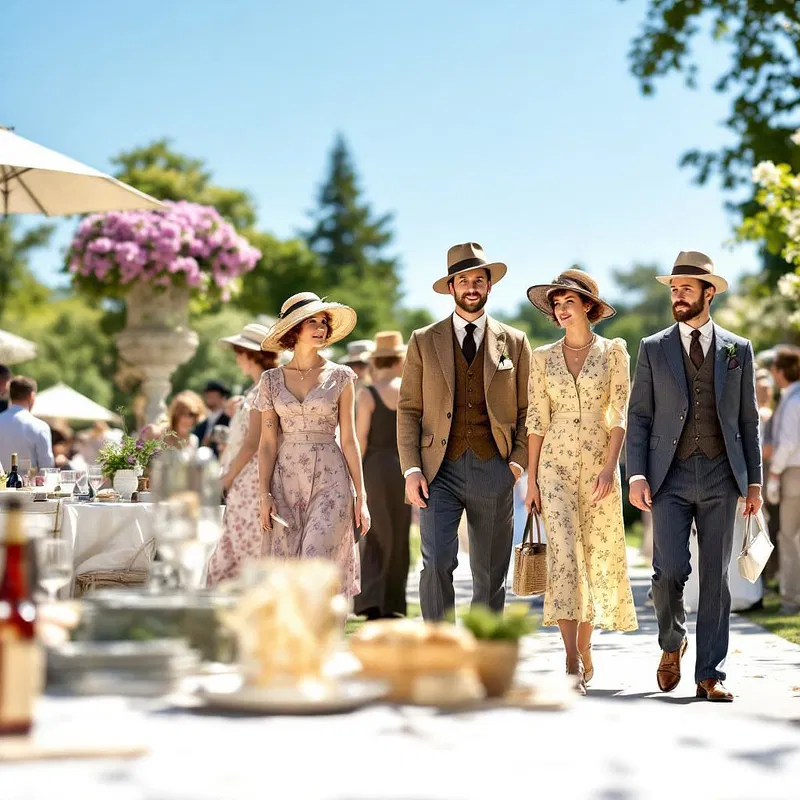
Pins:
x: 694, y: 264
x: 463, y: 257
x: 570, y: 280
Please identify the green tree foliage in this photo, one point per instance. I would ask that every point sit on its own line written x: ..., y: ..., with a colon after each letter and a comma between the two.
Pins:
x: 16, y: 280
x: 350, y: 243
x: 762, y: 77
x: 168, y: 175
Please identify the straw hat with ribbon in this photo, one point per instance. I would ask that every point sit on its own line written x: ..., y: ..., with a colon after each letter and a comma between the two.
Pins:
x: 463, y: 257
x: 694, y: 264
x: 250, y: 337
x: 300, y: 307
x: 388, y: 344
x: 570, y: 280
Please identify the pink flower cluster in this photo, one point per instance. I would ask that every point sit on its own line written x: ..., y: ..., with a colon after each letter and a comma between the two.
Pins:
x: 186, y: 243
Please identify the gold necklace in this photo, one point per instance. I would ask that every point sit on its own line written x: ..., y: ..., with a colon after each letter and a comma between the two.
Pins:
x: 306, y: 373
x: 578, y: 350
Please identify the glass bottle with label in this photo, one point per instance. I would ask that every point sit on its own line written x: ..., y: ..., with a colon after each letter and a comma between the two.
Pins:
x: 14, y: 479
x: 21, y: 659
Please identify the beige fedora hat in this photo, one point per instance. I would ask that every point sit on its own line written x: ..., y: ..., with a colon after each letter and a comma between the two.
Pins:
x: 303, y: 305
x: 694, y: 264
x: 358, y: 352
x: 250, y: 337
x: 574, y: 280
x: 388, y: 344
x: 463, y: 257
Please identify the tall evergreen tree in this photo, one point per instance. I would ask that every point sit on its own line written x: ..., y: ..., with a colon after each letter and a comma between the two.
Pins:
x: 350, y: 242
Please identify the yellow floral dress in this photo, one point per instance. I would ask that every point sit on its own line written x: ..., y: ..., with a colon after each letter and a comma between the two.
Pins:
x: 587, y: 569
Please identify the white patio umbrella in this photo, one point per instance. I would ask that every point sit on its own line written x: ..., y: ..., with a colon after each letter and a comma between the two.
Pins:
x: 63, y: 402
x: 14, y: 349
x: 36, y: 180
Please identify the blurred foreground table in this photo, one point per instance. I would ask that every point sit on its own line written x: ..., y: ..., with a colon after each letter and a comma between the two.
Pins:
x: 599, y: 748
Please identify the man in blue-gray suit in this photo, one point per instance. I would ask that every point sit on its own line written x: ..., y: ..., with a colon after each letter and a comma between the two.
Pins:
x: 692, y: 451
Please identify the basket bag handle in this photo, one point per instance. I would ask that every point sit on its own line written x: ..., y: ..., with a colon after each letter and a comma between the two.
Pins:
x: 527, y: 536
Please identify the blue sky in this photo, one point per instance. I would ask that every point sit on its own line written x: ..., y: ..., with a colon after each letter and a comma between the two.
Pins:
x: 512, y: 123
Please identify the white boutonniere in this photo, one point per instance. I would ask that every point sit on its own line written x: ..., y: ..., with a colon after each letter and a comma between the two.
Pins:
x: 505, y: 361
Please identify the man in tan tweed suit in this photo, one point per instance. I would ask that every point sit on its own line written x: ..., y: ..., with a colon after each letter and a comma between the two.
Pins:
x: 461, y: 433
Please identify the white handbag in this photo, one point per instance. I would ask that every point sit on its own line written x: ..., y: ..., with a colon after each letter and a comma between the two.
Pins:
x: 756, y: 549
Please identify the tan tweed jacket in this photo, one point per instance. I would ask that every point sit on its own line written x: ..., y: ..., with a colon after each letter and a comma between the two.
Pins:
x: 425, y: 407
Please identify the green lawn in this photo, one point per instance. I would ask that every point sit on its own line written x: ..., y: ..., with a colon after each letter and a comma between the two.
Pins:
x: 769, y: 617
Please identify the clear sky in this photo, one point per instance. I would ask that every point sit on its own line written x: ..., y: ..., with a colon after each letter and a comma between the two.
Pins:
x: 514, y: 123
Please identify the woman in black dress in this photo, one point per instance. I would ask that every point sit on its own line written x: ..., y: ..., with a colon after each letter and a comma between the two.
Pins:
x: 384, y: 553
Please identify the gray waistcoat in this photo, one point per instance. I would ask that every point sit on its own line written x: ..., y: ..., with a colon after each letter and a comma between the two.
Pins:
x: 702, y: 430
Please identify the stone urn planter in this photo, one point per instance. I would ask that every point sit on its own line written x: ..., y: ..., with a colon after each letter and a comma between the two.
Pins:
x: 496, y: 663
x: 156, y: 340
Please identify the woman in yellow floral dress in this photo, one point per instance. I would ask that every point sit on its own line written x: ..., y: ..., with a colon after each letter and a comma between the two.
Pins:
x: 577, y: 407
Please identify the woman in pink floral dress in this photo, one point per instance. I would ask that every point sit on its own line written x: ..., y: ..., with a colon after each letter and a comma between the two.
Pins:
x: 312, y: 490
x: 243, y: 539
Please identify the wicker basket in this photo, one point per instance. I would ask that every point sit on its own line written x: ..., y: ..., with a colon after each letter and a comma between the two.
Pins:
x: 530, y: 560
x: 114, y: 578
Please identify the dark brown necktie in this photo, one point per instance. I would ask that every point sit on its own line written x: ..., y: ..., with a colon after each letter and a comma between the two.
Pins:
x: 468, y: 346
x: 696, y: 350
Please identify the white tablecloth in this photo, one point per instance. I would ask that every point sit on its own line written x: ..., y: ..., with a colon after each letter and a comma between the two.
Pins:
x: 602, y: 748
x: 107, y: 535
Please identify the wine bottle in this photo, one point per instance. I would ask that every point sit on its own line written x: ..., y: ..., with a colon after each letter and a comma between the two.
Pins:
x: 21, y: 662
x: 14, y: 481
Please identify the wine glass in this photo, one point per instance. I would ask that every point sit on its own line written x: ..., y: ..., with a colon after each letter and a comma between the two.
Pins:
x: 96, y: 477
x: 82, y: 481
x: 67, y: 478
x: 51, y: 477
x: 54, y: 564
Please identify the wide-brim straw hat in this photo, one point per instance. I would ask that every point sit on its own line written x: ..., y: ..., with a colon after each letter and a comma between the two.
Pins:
x: 358, y: 352
x: 694, y: 264
x: 303, y: 305
x: 250, y: 337
x: 388, y: 344
x: 571, y: 280
x: 464, y: 257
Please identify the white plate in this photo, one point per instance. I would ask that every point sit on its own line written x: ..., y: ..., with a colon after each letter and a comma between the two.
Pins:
x: 339, y: 696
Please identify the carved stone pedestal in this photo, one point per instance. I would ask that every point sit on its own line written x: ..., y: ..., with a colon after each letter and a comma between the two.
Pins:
x: 157, y: 340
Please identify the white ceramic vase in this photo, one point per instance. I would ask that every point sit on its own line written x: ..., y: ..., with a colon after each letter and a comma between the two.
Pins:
x: 125, y: 483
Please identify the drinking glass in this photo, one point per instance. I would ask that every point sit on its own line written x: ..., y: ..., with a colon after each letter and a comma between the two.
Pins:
x: 24, y: 468
x: 67, y: 479
x: 82, y: 481
x: 54, y: 565
x: 96, y: 478
x: 51, y: 477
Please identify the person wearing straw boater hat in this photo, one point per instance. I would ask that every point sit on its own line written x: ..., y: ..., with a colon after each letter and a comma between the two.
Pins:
x: 577, y: 404
x: 242, y: 539
x: 385, y: 552
x: 693, y: 450
x: 461, y: 433
x: 311, y: 486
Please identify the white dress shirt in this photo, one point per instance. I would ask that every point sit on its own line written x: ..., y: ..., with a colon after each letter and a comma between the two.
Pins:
x: 460, y: 328
x: 786, y: 430
x: 706, y: 337
x: 25, y: 435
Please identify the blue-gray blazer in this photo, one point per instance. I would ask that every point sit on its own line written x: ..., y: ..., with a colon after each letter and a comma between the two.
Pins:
x: 659, y: 406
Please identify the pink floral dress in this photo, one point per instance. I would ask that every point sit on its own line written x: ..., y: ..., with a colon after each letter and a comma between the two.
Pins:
x: 311, y: 482
x: 242, y: 538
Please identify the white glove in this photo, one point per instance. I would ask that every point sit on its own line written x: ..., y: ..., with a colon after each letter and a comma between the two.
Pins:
x: 773, y: 490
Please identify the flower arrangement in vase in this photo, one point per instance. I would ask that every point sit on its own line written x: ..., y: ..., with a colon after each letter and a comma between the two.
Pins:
x: 183, y: 245
x: 125, y: 461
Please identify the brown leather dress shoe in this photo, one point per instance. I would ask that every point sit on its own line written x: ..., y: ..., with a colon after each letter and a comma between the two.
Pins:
x: 713, y: 690
x: 668, y: 674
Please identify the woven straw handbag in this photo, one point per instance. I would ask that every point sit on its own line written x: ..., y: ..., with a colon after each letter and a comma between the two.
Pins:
x: 116, y: 578
x: 530, y: 560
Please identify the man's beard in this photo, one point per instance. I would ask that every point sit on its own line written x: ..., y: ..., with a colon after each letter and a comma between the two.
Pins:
x: 690, y: 311
x: 471, y: 306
